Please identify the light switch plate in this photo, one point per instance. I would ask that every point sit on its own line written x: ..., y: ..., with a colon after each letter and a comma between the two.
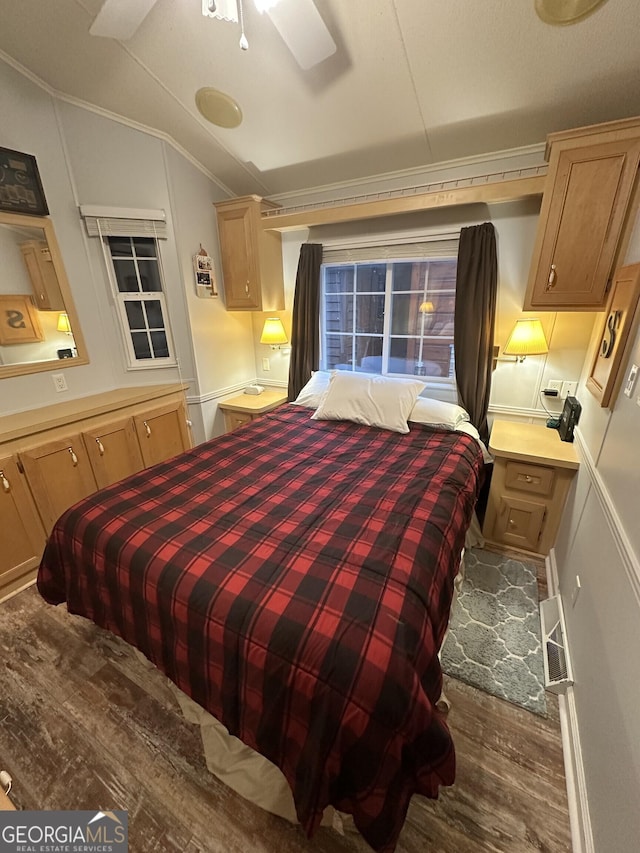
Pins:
x: 631, y: 380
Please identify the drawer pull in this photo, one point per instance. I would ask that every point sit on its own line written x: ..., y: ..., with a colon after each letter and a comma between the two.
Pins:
x: 100, y: 447
x: 528, y: 478
x: 553, y: 277
x: 147, y: 428
x: 6, y: 485
x: 246, y: 287
x: 512, y: 523
x: 74, y: 458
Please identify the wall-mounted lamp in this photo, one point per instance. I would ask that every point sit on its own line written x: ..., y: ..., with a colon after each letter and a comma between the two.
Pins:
x: 526, y: 338
x: 273, y: 333
x: 63, y: 323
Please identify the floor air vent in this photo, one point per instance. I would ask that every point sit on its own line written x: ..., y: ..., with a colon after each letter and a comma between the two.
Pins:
x: 557, y: 666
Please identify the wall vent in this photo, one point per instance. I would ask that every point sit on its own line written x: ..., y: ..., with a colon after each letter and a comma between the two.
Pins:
x: 558, y: 674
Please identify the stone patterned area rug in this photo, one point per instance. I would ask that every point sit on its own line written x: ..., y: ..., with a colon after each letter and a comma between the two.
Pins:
x: 494, y: 639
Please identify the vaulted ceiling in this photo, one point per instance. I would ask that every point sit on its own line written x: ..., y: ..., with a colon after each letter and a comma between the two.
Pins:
x: 412, y: 82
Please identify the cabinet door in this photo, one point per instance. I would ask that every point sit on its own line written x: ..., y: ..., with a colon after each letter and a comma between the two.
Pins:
x: 519, y: 522
x: 114, y: 451
x: 239, y: 249
x: 163, y: 433
x: 59, y: 474
x: 44, y: 281
x: 22, y: 536
x: 580, y: 225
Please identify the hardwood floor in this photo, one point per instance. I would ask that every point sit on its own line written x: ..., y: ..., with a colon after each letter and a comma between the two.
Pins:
x: 85, y: 723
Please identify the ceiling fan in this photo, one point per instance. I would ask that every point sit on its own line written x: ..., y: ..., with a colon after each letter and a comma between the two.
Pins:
x: 298, y: 22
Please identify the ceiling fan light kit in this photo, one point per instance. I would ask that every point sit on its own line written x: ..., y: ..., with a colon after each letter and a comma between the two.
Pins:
x: 564, y: 12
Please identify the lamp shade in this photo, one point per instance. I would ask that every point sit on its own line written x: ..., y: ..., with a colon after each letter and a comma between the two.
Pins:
x: 426, y: 308
x: 273, y: 332
x: 63, y: 323
x: 527, y: 338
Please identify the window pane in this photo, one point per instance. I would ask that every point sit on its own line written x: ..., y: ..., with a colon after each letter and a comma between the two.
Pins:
x: 141, y: 345
x: 442, y: 274
x: 371, y: 278
x: 406, y: 318
x: 154, y: 314
x: 409, y: 275
x: 338, y: 279
x: 145, y: 247
x: 120, y: 246
x: 369, y: 354
x: 135, y: 315
x: 126, y: 276
x: 337, y: 354
x: 338, y: 313
x: 370, y: 313
x: 149, y: 276
x: 160, y: 345
x: 406, y: 356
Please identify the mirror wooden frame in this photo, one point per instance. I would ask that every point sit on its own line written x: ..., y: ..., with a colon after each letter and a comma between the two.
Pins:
x: 25, y: 368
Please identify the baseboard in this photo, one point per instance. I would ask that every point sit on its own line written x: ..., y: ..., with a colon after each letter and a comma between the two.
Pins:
x: 579, y: 817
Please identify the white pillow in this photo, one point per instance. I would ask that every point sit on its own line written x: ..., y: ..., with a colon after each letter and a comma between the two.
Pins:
x: 313, y: 392
x: 438, y: 413
x: 372, y: 400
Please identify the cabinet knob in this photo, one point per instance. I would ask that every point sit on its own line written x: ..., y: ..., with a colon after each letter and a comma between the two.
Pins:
x: 552, y: 277
x: 512, y: 523
x: 100, y: 447
x: 6, y: 485
x: 74, y: 458
x: 42, y: 297
x: 528, y: 479
x: 147, y: 428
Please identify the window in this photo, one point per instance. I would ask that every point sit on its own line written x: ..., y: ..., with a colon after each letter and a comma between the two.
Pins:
x: 140, y: 300
x: 393, y: 316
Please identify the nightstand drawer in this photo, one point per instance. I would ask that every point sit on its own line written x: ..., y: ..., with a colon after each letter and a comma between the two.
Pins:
x: 234, y: 420
x: 534, y: 479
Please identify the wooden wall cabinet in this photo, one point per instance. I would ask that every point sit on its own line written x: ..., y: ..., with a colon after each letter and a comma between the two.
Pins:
x: 532, y: 472
x: 251, y: 256
x: 585, y: 207
x: 52, y: 457
x: 44, y: 281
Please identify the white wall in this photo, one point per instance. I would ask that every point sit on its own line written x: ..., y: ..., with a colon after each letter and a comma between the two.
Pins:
x: 88, y: 158
x: 599, y: 541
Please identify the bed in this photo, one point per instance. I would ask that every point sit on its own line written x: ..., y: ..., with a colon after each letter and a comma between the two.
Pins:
x: 294, y: 578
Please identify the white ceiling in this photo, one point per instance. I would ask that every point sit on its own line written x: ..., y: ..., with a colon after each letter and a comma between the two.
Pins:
x: 413, y: 82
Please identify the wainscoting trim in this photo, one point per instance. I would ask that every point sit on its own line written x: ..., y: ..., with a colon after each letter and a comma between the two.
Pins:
x: 627, y: 555
x: 198, y: 399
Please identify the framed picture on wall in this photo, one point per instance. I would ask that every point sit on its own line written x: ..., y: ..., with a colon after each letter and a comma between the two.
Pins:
x: 20, y: 185
x: 19, y: 322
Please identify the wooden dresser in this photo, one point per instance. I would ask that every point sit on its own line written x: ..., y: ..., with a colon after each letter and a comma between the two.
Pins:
x: 52, y: 457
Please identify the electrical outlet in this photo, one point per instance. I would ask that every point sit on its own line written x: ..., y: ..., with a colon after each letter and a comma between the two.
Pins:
x: 569, y: 389
x: 631, y: 380
x: 59, y: 382
x: 554, y: 385
x: 265, y: 364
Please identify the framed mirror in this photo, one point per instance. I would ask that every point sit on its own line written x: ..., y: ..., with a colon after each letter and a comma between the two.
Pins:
x: 39, y: 326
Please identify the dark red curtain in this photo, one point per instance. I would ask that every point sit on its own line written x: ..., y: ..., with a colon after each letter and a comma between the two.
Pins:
x: 476, y: 291
x: 305, y: 325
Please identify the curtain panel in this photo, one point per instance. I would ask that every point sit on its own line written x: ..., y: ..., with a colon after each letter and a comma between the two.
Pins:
x: 474, y: 323
x: 305, y: 325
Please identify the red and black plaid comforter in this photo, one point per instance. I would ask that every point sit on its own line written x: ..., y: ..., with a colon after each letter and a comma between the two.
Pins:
x: 295, y: 579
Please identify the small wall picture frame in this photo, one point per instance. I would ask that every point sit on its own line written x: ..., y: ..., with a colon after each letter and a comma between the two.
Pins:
x: 20, y: 185
x: 19, y: 322
x: 205, y: 275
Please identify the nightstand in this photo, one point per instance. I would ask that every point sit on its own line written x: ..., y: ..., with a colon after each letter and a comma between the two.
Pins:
x: 247, y: 407
x: 532, y: 473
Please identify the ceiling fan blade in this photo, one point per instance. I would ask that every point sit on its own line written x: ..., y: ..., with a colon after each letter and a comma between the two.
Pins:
x: 119, y: 19
x: 303, y: 30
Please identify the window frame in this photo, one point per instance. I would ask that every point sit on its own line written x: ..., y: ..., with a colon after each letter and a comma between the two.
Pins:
x: 387, y: 259
x: 122, y: 297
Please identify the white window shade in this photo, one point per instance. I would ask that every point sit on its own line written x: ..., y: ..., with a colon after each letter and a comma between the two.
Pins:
x: 123, y: 222
x: 447, y: 248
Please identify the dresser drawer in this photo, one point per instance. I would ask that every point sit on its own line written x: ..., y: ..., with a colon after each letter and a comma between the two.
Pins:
x: 534, y: 479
